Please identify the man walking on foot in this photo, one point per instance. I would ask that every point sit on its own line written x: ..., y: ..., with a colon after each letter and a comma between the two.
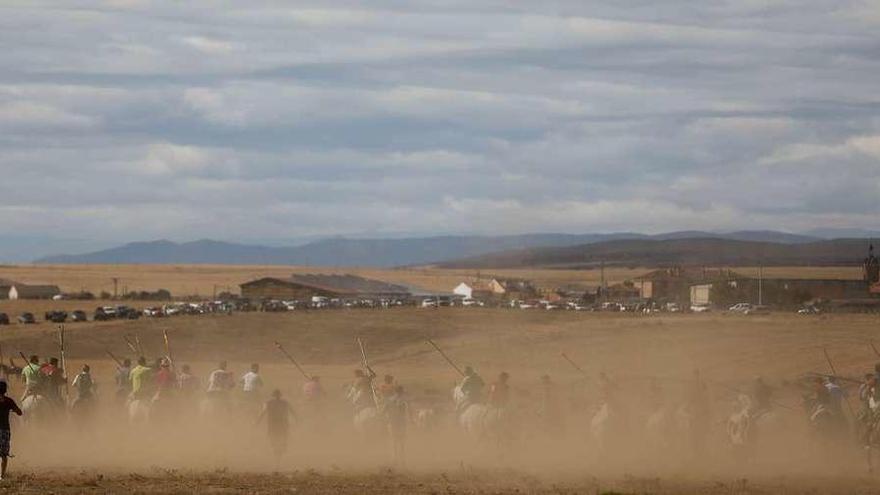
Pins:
x: 7, y: 405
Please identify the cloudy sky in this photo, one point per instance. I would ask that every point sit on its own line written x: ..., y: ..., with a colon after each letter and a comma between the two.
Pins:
x: 131, y: 120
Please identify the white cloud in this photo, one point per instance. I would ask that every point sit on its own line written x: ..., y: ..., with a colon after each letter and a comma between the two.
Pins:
x: 455, y: 116
x: 209, y: 46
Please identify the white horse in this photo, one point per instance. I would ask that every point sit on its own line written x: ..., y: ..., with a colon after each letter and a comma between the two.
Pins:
x: 37, y: 408
x: 482, y: 421
x: 748, y: 427
x: 138, y: 411
x: 608, y: 427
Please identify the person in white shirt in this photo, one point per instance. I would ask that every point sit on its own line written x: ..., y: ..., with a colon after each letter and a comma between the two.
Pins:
x: 220, y: 380
x: 251, y: 382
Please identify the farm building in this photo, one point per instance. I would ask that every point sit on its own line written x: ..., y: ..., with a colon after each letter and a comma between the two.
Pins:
x: 674, y: 284
x: 5, y: 285
x: 473, y: 290
x: 510, y: 288
x: 23, y: 291
x: 303, y: 287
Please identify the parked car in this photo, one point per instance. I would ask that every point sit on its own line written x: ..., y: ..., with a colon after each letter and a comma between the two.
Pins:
x: 467, y: 302
x: 26, y: 319
x: 79, y: 316
x: 757, y: 310
x: 4, y: 319
x: 154, y: 312
x: 740, y: 307
x: 104, y: 313
x: 809, y: 310
x: 700, y: 308
x: 56, y: 316
x: 126, y: 313
x: 430, y: 303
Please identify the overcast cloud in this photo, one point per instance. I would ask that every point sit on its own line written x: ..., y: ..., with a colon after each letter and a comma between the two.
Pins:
x: 127, y: 119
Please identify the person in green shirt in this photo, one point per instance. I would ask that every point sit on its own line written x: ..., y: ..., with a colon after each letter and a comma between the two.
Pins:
x: 141, y: 379
x: 32, y: 376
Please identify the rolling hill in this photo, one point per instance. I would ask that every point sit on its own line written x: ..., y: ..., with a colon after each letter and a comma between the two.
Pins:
x: 376, y: 252
x: 664, y: 252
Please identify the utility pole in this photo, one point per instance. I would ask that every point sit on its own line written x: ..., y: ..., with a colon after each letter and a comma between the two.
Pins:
x: 760, y: 285
x: 115, y: 287
x: 602, y: 280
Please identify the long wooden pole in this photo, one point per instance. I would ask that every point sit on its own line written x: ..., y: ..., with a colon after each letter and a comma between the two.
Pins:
x: 117, y: 361
x: 63, y: 359
x: 572, y: 363
x: 370, y: 370
x: 167, y: 347
x: 849, y: 406
x: 451, y: 363
x: 131, y: 346
x: 292, y: 360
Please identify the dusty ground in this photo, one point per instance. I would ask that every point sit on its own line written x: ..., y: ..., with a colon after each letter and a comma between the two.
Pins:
x: 195, y: 456
x: 381, y: 482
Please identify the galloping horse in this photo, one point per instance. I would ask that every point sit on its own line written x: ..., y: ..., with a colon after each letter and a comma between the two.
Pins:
x: 367, y: 421
x: 38, y: 409
x: 482, y: 421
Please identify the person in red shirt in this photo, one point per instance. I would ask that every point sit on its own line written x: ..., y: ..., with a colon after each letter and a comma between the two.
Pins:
x: 165, y: 380
x: 499, y: 392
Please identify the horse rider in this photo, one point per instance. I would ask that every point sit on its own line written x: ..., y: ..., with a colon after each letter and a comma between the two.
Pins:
x: 312, y: 390
x: 54, y: 380
x: 471, y: 387
x: 499, y: 391
x: 141, y: 380
x: 165, y: 380
x: 386, y: 388
x: 33, y: 379
x: 84, y: 385
x: 220, y: 381
x: 361, y: 392
x: 252, y: 383
x: 123, y: 379
x: 187, y: 382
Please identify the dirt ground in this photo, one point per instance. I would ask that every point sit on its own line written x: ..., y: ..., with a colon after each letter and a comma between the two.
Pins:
x: 192, y: 454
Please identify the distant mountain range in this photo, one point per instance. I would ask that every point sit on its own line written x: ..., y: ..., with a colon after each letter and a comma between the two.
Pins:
x: 665, y: 252
x: 469, y: 249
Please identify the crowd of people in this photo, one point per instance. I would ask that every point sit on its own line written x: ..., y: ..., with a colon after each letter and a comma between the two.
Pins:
x: 160, y: 382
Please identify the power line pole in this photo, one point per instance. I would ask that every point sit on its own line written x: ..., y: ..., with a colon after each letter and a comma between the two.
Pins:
x: 760, y: 285
x: 115, y: 287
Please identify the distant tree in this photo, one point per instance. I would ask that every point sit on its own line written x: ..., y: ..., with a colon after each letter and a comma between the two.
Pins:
x: 106, y: 295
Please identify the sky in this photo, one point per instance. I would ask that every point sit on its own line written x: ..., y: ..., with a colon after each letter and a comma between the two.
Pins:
x: 133, y: 120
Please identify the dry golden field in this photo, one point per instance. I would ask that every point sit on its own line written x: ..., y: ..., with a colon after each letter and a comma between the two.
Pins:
x: 231, y: 458
x: 204, y: 280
